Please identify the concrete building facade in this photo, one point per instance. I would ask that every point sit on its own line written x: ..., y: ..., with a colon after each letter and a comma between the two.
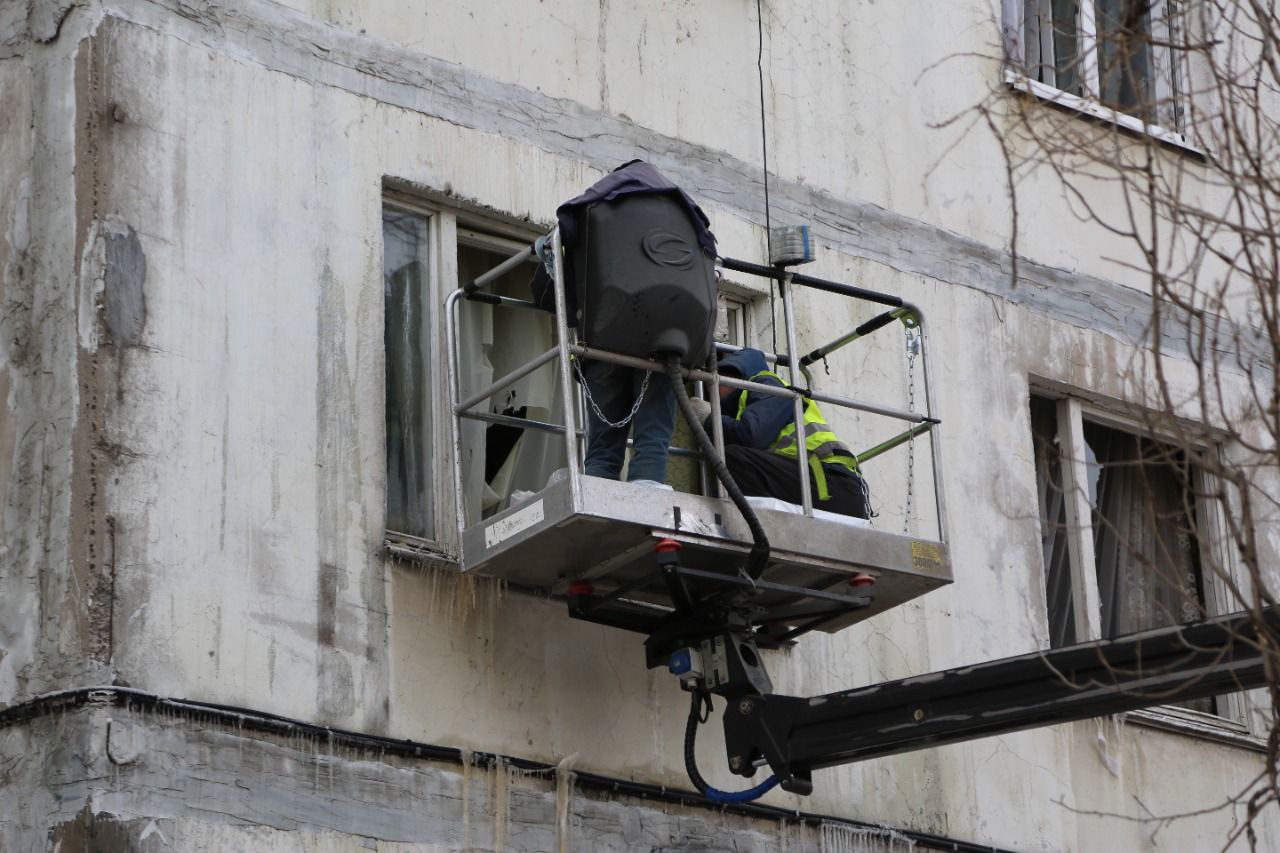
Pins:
x: 206, y: 641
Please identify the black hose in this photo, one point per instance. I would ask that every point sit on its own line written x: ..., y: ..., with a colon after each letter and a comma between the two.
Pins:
x: 715, y: 795
x: 758, y: 559
x: 690, y: 739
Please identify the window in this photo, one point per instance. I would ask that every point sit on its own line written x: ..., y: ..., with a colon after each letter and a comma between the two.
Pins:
x: 499, y: 457
x: 408, y: 333
x: 1123, y: 526
x: 427, y: 251
x: 731, y: 319
x: 1122, y: 54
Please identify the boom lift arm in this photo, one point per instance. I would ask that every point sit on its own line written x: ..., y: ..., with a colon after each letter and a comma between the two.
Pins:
x: 795, y: 736
x: 707, y: 619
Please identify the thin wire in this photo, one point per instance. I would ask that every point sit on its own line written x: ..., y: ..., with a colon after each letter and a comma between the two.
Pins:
x: 764, y: 155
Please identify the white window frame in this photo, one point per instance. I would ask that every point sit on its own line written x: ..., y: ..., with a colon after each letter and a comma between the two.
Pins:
x: 437, y: 541
x: 735, y: 309
x: 746, y: 296
x: 1166, y: 68
x: 1230, y: 724
x: 448, y: 227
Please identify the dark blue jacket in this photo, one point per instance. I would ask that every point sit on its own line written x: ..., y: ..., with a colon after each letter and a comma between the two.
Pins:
x: 636, y: 176
x: 765, y: 415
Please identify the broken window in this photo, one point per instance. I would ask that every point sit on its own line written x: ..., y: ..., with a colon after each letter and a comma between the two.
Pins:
x: 1123, y: 54
x: 427, y: 251
x: 500, y: 458
x: 1121, y: 520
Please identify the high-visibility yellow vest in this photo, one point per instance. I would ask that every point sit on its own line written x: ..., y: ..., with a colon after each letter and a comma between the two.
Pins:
x: 820, y: 442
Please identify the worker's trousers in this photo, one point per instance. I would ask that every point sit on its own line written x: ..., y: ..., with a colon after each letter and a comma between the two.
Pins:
x: 615, y: 390
x: 771, y: 475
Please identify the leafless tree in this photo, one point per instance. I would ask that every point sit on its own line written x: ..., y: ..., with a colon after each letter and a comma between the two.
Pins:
x: 1160, y: 124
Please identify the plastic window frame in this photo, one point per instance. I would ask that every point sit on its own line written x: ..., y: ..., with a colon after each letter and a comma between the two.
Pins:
x: 437, y: 543
x: 448, y: 228
x: 1089, y: 105
x: 737, y: 310
x: 1230, y: 724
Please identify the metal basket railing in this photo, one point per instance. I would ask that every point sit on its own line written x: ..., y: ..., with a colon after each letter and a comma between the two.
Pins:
x: 567, y: 348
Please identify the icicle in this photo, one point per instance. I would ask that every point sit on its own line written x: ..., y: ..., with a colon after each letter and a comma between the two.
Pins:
x: 330, y: 759
x: 495, y: 591
x: 564, y: 799
x: 1108, y: 751
x: 501, y: 802
x: 466, y: 798
x: 313, y: 752
x: 841, y: 838
x: 456, y: 598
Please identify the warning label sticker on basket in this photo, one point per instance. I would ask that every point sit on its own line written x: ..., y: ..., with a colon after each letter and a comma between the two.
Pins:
x: 926, y: 556
x: 505, y: 528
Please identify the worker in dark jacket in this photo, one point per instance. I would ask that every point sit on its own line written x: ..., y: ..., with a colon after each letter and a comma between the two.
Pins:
x: 622, y: 397
x: 760, y: 443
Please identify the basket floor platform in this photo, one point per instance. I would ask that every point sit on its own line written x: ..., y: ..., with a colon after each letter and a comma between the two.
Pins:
x: 597, y: 548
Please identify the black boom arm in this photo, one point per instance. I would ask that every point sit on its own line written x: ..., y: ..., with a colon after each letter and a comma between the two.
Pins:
x: 795, y: 736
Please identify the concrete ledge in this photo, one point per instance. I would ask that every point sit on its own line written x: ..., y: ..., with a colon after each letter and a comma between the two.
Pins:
x: 112, y: 768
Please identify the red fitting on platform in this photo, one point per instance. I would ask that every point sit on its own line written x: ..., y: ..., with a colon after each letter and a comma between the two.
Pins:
x: 862, y: 579
x: 581, y: 588
x: 666, y: 546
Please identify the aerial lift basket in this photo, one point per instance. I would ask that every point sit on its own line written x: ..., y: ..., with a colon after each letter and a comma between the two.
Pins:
x: 593, y: 540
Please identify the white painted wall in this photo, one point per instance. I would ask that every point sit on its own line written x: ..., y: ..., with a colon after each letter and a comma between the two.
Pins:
x: 248, y: 154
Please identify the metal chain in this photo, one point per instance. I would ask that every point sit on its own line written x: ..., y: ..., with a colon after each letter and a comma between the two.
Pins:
x: 913, y: 349
x: 644, y: 386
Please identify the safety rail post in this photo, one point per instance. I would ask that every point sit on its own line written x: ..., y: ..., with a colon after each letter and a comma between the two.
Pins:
x: 566, y: 376
x: 510, y: 379
x: 455, y: 418
x: 935, y: 445
x: 717, y: 427
x: 797, y: 400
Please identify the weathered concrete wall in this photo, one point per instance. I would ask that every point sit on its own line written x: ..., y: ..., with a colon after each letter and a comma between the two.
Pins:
x: 864, y: 103
x: 205, y: 418
x: 114, y: 778
x: 15, y: 238
x: 55, y: 613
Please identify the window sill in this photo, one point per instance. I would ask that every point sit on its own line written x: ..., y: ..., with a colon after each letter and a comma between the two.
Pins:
x: 1094, y: 110
x: 413, y: 549
x: 1196, y: 724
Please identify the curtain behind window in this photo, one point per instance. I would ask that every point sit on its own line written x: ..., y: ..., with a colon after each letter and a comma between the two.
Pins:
x: 1125, y: 64
x: 407, y: 331
x: 1146, y: 552
x: 1053, y: 522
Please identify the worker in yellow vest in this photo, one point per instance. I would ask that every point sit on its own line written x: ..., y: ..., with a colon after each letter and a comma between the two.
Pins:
x: 760, y: 443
